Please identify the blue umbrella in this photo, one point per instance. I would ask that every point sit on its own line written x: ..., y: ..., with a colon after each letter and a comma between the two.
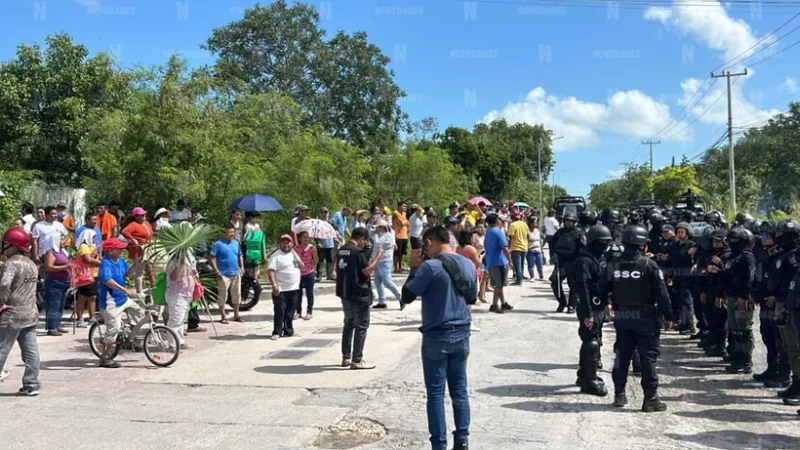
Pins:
x: 256, y: 202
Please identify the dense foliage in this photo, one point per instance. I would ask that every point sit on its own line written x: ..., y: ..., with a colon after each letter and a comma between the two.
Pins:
x: 767, y: 161
x: 284, y: 111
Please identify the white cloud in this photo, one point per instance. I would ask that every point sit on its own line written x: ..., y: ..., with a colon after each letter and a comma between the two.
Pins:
x: 631, y: 114
x: 790, y: 85
x: 712, y: 26
x: 709, y: 24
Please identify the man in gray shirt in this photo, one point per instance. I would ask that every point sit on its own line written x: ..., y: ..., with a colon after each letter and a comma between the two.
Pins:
x: 18, y: 314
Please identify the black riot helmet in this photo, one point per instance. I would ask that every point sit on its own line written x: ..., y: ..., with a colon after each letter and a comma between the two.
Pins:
x: 706, y: 238
x: 787, y: 233
x: 743, y: 218
x: 656, y: 219
x: 569, y: 215
x: 687, y: 216
x: 634, y: 218
x: 592, y: 217
x: 767, y: 228
x: 635, y: 235
x: 713, y: 218
x: 740, y: 238
x: 610, y: 216
x: 754, y: 226
x: 597, y: 239
x: 585, y: 219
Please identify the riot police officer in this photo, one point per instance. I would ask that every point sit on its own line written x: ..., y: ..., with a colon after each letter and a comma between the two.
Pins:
x: 569, y: 241
x: 655, y: 244
x: 680, y: 261
x: 612, y: 219
x: 586, y: 221
x: 634, y: 218
x: 702, y: 255
x: 639, y: 294
x: 738, y: 278
x: 586, y: 272
x: 715, y: 311
x: 784, y: 285
x: 778, y: 371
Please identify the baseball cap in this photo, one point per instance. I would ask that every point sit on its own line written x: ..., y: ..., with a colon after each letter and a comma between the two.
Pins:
x: 515, y: 214
x: 288, y: 237
x: 61, y: 203
x: 113, y: 243
x: 138, y: 211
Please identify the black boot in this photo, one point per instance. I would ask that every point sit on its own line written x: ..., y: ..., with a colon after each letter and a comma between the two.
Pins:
x: 778, y: 382
x: 462, y: 446
x: 620, y: 400
x: 792, y: 390
x: 770, y: 373
x: 596, y: 387
x: 653, y: 404
x: 716, y: 351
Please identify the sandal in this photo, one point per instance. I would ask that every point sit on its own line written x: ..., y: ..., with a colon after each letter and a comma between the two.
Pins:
x: 238, y: 319
x: 224, y: 320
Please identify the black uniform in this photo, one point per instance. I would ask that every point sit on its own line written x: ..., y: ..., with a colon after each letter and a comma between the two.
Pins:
x: 568, y: 244
x: 778, y: 364
x: 639, y: 296
x: 782, y: 285
x: 586, y: 272
x: 738, y: 281
x: 679, y: 267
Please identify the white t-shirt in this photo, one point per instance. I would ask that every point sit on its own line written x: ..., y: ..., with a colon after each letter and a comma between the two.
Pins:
x: 550, y: 226
x: 42, y: 230
x: 29, y: 221
x: 251, y: 227
x: 417, y: 223
x: 287, y: 274
x: 180, y: 216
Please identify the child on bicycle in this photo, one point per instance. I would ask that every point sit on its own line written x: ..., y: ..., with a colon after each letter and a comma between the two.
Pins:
x: 112, y: 298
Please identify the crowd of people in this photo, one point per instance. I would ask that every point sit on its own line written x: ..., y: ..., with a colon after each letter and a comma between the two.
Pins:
x: 692, y: 273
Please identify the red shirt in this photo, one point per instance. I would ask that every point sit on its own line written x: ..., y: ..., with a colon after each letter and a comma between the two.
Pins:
x: 141, y: 232
x: 307, y: 256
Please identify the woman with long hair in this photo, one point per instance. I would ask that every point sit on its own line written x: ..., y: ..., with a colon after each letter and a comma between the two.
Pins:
x: 87, y: 256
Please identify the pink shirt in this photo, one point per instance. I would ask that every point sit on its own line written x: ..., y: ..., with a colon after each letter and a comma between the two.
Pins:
x: 307, y: 256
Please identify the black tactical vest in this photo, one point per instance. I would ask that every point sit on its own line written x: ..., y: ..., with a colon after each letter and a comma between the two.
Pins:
x: 631, y: 288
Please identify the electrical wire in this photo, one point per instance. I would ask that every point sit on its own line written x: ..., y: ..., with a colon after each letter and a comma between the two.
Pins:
x: 731, y: 61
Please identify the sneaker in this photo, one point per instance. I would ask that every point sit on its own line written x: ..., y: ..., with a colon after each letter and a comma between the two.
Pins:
x: 778, y: 382
x: 29, y: 392
x: 3, y: 375
x: 560, y: 308
x: 620, y: 400
x: 80, y: 324
x: 516, y: 283
x: 196, y: 330
x: 54, y: 333
x: 465, y: 446
x: 109, y: 363
x: 506, y: 307
x: 570, y: 310
x: 493, y: 308
x: 474, y: 328
x: 275, y: 337
x: 307, y: 317
x: 346, y: 363
x: 296, y: 316
x: 653, y: 404
x: 63, y: 330
x: 379, y: 306
x: 361, y: 365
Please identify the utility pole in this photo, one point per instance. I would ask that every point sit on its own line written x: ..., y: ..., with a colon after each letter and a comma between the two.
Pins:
x: 652, y: 173
x: 731, y: 166
x: 539, y: 172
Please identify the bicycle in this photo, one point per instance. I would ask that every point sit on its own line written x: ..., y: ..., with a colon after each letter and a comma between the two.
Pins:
x: 160, y: 343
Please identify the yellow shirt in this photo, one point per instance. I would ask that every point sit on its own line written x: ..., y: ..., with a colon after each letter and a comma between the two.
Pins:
x: 518, y: 236
x: 473, y: 216
x: 84, y: 249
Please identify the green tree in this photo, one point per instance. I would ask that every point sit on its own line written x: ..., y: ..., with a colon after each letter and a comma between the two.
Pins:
x: 608, y: 194
x: 343, y: 84
x: 47, y: 97
x: 14, y: 185
x: 673, y: 181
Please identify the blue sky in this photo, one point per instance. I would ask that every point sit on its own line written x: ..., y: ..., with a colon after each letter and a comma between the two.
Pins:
x: 604, y: 76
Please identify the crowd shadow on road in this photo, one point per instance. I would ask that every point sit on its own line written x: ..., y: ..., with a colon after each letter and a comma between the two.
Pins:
x: 738, y: 440
x: 729, y: 415
x: 529, y: 390
x: 561, y: 318
x: 241, y: 337
x: 536, y: 367
x: 88, y: 363
x: 298, y: 369
x: 565, y: 407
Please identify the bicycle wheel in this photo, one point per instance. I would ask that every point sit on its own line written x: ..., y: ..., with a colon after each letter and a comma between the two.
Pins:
x: 161, y: 346
x: 96, y: 333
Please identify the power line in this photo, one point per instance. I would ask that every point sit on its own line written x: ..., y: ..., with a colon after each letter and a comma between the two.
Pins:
x: 640, y: 5
x: 774, y: 54
x: 730, y: 62
x: 699, y: 116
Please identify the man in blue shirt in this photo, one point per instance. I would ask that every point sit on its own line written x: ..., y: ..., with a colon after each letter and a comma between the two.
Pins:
x: 446, y: 283
x: 112, y: 298
x: 340, y: 221
x: 90, y: 221
x: 226, y: 259
x: 497, y: 257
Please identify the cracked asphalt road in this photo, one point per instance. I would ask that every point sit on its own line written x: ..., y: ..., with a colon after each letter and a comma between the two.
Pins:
x: 240, y: 390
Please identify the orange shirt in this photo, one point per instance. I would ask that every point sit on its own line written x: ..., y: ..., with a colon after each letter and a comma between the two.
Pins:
x: 107, y: 224
x: 400, y: 225
x: 141, y: 233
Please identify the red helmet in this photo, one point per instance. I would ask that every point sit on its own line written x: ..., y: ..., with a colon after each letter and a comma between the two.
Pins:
x: 18, y: 238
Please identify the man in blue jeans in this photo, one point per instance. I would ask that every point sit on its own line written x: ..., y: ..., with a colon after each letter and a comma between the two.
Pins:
x: 447, y: 283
